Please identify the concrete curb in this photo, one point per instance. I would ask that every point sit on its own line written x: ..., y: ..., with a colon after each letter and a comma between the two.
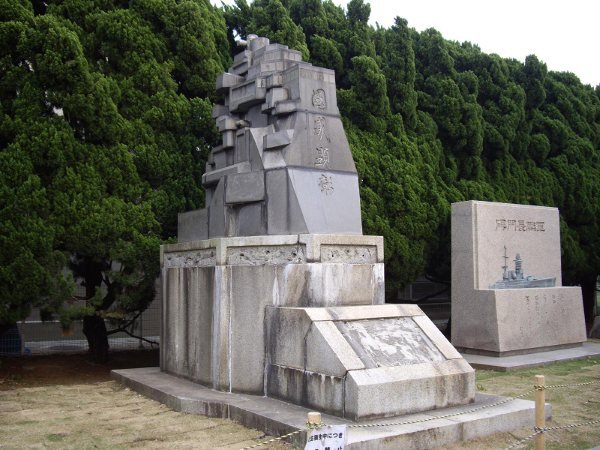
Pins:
x: 508, y: 363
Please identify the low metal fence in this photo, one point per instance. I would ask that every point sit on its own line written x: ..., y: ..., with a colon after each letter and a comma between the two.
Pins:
x: 34, y: 336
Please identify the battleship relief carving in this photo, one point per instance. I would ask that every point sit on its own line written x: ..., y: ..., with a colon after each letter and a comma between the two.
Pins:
x: 516, y: 279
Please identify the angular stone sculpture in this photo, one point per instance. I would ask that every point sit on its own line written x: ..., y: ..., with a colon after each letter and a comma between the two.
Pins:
x: 517, y: 314
x: 284, y: 165
x: 272, y: 289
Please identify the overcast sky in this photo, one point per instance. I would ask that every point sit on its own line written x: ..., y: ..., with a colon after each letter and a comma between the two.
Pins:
x: 563, y: 34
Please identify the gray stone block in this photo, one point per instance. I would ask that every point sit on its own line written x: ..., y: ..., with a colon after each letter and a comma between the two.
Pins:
x: 328, y: 352
x: 227, y: 80
x: 329, y: 190
x: 303, y: 131
x: 245, y: 187
x: 389, y: 364
x: 314, y: 390
x: 192, y: 225
x: 248, y: 219
x: 277, y: 139
x: 392, y: 391
x: 294, y: 324
x: 283, y: 210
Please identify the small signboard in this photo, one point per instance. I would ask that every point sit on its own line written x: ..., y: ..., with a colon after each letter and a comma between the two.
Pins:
x: 328, y: 437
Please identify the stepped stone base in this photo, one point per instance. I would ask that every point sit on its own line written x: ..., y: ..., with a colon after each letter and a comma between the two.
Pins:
x: 277, y: 418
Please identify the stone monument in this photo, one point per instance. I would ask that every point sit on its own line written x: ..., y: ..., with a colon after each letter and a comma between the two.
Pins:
x: 507, y: 293
x: 272, y: 289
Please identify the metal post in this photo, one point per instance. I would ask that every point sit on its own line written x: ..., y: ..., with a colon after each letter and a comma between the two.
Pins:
x: 540, y: 416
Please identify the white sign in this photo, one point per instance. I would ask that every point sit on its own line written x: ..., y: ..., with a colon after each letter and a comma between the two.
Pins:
x: 329, y: 437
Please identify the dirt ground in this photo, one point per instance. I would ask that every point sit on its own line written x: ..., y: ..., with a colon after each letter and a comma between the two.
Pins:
x: 68, y: 402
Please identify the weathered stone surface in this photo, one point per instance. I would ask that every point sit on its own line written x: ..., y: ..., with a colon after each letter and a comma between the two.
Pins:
x: 223, y: 286
x: 336, y: 244
x: 386, y: 362
x: 314, y: 390
x: 510, y: 321
x: 389, y: 391
x: 245, y: 188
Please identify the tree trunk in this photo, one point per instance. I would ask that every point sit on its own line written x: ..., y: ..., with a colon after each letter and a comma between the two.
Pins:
x: 95, y: 332
x: 588, y: 292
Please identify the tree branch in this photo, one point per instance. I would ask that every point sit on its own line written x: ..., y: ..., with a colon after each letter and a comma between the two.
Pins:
x: 127, y: 325
x: 138, y: 337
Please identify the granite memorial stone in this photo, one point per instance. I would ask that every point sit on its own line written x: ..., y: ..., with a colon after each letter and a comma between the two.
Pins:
x: 507, y: 293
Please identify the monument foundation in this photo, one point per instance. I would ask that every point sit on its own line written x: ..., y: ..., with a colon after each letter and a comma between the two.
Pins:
x: 302, y: 318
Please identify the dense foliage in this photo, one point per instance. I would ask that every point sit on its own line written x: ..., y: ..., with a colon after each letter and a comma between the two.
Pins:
x: 105, y: 125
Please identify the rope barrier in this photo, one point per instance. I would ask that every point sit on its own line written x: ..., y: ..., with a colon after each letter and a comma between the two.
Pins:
x: 445, y: 416
x: 547, y: 429
x: 542, y: 430
x: 522, y: 441
x: 557, y: 386
x: 537, y: 430
x: 274, y: 439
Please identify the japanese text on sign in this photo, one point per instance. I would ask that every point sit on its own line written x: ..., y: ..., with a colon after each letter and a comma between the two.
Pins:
x: 327, y: 438
x: 519, y: 225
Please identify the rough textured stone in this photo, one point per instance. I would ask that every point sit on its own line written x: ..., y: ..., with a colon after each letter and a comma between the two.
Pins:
x: 510, y: 321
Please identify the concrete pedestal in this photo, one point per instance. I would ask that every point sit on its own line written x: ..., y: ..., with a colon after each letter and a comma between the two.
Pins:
x: 215, y: 294
x: 302, y: 318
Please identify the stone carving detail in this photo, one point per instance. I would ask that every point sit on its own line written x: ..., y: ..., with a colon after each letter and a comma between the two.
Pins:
x: 266, y: 255
x: 326, y: 184
x: 349, y: 254
x: 320, y: 128
x: 318, y: 99
x: 519, y: 225
x: 196, y: 258
x: 322, y: 157
x: 516, y: 279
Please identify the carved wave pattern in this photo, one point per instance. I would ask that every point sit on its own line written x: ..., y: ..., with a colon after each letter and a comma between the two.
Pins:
x: 196, y: 258
x: 349, y: 254
x: 266, y: 255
